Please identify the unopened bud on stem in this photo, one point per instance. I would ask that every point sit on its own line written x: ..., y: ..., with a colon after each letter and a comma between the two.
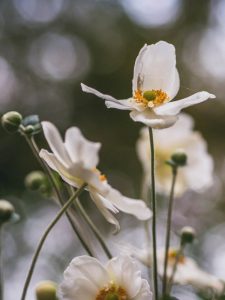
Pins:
x: 46, y: 290
x: 179, y: 158
x: 6, y: 211
x: 11, y: 121
x: 188, y: 235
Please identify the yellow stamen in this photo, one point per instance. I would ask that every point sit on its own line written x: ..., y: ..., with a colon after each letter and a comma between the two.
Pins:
x: 150, y: 98
x: 102, y: 177
x: 112, y: 292
x: 172, y: 254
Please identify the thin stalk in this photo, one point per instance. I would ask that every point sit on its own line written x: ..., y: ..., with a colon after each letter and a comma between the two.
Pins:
x: 34, y: 148
x: 170, y: 281
x: 168, y: 230
x: 95, y: 230
x: 45, y: 235
x: 1, y: 266
x: 153, y: 202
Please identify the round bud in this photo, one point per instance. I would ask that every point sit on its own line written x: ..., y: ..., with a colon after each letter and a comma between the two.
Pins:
x: 11, y: 121
x: 46, y: 290
x: 6, y: 211
x: 179, y: 158
x: 29, y: 129
x: 35, y: 180
x: 149, y: 95
x: 188, y: 235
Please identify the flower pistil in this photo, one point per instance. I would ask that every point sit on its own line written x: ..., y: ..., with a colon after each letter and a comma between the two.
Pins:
x: 150, y: 98
x: 112, y: 292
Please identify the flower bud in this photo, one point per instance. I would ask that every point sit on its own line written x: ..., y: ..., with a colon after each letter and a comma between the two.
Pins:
x: 32, y: 124
x: 38, y: 181
x: 179, y: 158
x: 188, y: 235
x: 11, y: 121
x: 29, y: 129
x: 6, y: 211
x: 46, y: 290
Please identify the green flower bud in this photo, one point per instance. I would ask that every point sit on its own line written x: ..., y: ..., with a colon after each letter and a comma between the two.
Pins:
x: 11, y: 121
x: 38, y: 181
x: 188, y: 235
x: 46, y: 290
x: 32, y: 124
x: 6, y: 211
x: 149, y: 95
x: 179, y: 158
x: 29, y: 129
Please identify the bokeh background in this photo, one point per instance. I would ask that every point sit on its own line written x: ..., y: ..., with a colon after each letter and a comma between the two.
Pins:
x: 47, y: 47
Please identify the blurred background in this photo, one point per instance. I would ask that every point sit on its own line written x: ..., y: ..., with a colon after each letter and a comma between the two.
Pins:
x: 47, y: 47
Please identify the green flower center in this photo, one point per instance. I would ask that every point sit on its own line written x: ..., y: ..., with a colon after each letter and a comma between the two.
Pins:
x: 112, y: 292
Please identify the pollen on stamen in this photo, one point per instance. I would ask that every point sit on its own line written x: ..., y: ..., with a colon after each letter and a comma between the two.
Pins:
x: 172, y: 254
x: 150, y: 98
x: 112, y: 292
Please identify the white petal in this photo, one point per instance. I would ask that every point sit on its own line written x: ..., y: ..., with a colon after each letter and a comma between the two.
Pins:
x: 55, y: 142
x: 83, y: 279
x: 110, y: 101
x: 173, y: 108
x: 104, y: 208
x: 80, y: 149
x: 135, y: 207
x: 155, y: 68
x: 124, y: 271
x: 150, y: 119
x: 144, y: 293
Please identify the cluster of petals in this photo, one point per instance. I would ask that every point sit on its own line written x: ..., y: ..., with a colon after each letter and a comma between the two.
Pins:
x: 75, y: 160
x: 155, y: 83
x: 86, y: 278
x: 168, y: 141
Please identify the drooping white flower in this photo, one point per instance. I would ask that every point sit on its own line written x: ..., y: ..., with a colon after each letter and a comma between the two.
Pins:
x: 187, y: 273
x: 197, y: 175
x: 155, y: 83
x: 87, y: 279
x: 75, y: 160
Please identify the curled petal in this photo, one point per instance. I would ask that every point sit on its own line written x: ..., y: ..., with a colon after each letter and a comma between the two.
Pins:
x: 173, y: 108
x: 55, y: 142
x: 150, y: 119
x: 80, y: 149
x: 144, y: 293
x: 110, y: 101
x: 135, y: 207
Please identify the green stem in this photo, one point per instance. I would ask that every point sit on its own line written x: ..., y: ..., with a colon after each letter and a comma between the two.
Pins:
x: 170, y: 281
x: 153, y: 202
x: 168, y: 230
x: 1, y: 266
x: 95, y: 230
x: 34, y: 148
x: 45, y: 235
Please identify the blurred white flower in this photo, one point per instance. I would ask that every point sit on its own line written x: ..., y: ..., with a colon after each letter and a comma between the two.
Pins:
x: 197, y: 175
x: 75, y: 160
x: 155, y: 83
x: 187, y: 273
x: 86, y: 278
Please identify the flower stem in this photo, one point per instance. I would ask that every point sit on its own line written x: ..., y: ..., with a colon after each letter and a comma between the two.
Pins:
x: 1, y: 266
x: 168, y: 230
x: 95, y: 230
x: 170, y: 281
x: 153, y: 202
x: 45, y: 235
x: 34, y: 148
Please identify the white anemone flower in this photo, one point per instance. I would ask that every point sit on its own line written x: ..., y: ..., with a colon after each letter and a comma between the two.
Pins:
x: 155, y: 83
x: 87, y: 279
x: 188, y: 272
x: 197, y: 175
x: 75, y: 160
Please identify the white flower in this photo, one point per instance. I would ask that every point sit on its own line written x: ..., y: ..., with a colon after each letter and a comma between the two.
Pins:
x: 75, y: 160
x: 155, y: 83
x: 197, y: 175
x: 187, y: 273
x: 87, y: 279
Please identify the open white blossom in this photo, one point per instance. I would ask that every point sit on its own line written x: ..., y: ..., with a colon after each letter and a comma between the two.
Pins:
x: 155, y: 83
x: 75, y: 160
x: 87, y: 279
x: 197, y: 175
x: 187, y: 273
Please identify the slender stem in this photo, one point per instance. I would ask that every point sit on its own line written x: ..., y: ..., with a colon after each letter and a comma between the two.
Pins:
x: 95, y: 230
x: 170, y: 281
x: 1, y: 266
x: 153, y: 202
x: 34, y: 148
x: 168, y: 230
x: 45, y: 235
